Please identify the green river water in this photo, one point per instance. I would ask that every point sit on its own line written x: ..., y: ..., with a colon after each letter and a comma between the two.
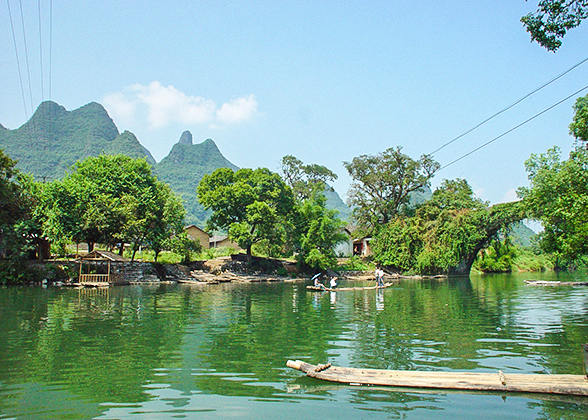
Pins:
x: 220, y: 351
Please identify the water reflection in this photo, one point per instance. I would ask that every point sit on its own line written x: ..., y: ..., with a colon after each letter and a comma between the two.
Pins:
x: 176, y: 350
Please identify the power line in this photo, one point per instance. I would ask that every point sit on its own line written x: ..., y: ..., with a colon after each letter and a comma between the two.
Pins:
x: 50, y: 42
x: 24, y: 101
x: 26, y: 56
x: 514, y: 128
x: 41, y: 50
x: 511, y: 105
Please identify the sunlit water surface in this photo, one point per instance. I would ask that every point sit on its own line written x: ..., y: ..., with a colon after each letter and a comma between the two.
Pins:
x: 220, y: 351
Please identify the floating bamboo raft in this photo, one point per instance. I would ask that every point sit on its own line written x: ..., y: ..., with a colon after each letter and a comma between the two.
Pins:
x: 323, y: 288
x: 555, y: 283
x: 509, y: 382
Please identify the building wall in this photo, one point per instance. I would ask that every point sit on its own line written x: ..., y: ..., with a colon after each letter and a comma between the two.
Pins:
x: 225, y: 243
x: 197, y: 234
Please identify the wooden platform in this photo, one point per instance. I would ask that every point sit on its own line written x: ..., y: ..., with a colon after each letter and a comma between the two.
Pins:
x: 328, y: 289
x: 510, y: 382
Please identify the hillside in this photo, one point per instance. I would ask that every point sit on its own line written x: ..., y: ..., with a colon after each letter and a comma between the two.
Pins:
x: 184, y: 167
x: 54, y: 139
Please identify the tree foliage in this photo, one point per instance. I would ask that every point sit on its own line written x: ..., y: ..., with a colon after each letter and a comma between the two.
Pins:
x: 306, y: 180
x: 579, y: 125
x: 553, y: 18
x: 558, y: 197
x: 317, y: 230
x: 15, y: 209
x: 251, y: 204
x: 382, y: 184
x: 445, y: 234
x: 111, y: 200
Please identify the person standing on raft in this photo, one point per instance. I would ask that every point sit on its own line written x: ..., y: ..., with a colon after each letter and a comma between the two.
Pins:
x: 379, y: 277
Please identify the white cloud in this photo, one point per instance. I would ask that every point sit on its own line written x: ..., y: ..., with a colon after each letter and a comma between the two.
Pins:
x: 120, y: 106
x: 511, y: 195
x: 162, y: 106
x: 238, y: 110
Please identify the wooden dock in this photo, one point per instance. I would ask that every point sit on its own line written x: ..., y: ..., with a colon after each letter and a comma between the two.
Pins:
x: 503, y: 382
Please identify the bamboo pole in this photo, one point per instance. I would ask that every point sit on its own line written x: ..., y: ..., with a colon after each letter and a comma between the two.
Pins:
x: 585, y: 346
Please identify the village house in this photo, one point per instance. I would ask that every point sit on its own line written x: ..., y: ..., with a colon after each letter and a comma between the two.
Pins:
x: 198, y: 235
x: 222, y: 241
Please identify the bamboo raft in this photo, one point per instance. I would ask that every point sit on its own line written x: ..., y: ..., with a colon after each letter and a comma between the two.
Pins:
x: 323, y: 288
x: 510, y: 382
x: 555, y: 283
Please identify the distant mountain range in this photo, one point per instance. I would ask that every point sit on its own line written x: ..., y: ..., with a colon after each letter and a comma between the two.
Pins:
x: 54, y: 139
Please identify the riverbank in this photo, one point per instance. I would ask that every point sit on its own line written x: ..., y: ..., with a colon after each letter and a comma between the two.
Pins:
x: 236, y: 268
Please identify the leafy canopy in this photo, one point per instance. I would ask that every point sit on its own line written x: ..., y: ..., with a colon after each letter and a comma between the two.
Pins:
x: 558, y: 197
x: 445, y: 234
x: 16, y: 203
x: 382, y: 184
x: 306, y: 180
x: 553, y: 19
x: 111, y: 199
x: 579, y: 125
x: 251, y: 204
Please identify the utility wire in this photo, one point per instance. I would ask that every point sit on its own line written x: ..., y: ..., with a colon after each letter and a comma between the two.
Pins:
x: 24, y: 101
x: 50, y: 43
x: 514, y: 128
x: 512, y: 105
x: 26, y: 56
x: 41, y: 50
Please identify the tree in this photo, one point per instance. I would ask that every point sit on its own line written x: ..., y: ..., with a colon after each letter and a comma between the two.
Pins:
x: 15, y: 208
x: 167, y: 220
x: 553, y: 19
x: 305, y: 180
x: 249, y: 204
x: 446, y: 233
x: 558, y: 197
x: 317, y: 230
x: 382, y: 184
x: 579, y: 124
x: 111, y: 200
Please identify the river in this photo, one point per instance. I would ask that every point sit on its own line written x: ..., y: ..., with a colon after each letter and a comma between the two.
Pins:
x: 220, y: 351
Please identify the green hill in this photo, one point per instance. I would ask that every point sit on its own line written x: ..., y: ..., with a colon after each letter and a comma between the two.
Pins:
x: 54, y: 139
x: 184, y: 167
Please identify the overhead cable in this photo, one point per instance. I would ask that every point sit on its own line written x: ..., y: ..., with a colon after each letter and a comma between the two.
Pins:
x: 26, y: 56
x: 50, y: 42
x: 24, y: 101
x: 41, y: 50
x: 511, y: 105
x: 514, y: 128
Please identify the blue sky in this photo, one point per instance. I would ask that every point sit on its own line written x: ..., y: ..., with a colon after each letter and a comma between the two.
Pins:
x: 323, y: 81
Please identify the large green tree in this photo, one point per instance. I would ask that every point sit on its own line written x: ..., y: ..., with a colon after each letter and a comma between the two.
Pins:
x: 315, y: 230
x: 446, y: 233
x: 111, y: 200
x: 15, y: 208
x: 305, y: 180
x: 553, y: 18
x: 383, y: 183
x: 250, y: 204
x: 558, y: 197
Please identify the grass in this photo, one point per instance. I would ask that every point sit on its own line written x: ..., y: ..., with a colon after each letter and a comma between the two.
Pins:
x: 170, y: 257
